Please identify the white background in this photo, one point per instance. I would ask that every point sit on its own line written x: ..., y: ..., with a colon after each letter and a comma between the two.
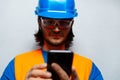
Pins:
x: 96, y: 29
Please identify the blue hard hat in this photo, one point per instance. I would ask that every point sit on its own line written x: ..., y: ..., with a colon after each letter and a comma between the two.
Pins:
x: 56, y: 8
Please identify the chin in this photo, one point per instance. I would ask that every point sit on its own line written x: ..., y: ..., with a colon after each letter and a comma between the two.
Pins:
x: 56, y: 42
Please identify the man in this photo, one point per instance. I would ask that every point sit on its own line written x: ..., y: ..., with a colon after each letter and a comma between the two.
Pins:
x: 55, y: 20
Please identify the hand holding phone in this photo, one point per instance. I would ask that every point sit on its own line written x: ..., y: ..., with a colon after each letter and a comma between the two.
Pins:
x: 63, y: 58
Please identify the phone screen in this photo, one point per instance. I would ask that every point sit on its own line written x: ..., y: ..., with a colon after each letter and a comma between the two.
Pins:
x: 61, y: 57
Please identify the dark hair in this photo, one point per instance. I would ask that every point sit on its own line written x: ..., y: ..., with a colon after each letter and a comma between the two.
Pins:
x: 40, y: 39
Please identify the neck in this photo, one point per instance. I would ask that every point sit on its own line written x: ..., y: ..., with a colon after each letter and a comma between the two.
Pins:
x: 51, y: 47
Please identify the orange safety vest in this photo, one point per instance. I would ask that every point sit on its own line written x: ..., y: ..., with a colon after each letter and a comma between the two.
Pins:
x: 24, y: 62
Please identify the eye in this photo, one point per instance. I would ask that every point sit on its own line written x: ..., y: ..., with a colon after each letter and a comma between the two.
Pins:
x: 48, y: 22
x: 64, y: 23
x: 62, y: 27
x: 51, y: 27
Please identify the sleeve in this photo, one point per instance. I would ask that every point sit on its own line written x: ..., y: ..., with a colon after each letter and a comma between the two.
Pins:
x: 95, y: 73
x: 8, y: 73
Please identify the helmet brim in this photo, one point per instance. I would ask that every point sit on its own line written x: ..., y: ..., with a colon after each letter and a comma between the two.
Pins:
x: 56, y: 14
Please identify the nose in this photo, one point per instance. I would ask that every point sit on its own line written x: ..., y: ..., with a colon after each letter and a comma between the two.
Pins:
x: 56, y: 29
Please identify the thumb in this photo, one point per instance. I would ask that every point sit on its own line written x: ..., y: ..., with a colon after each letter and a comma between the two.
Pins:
x: 74, y: 74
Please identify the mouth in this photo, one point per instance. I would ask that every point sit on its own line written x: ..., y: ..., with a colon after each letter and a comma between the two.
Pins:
x: 56, y: 36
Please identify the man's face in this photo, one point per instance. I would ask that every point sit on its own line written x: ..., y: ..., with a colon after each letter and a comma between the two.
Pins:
x: 55, y: 31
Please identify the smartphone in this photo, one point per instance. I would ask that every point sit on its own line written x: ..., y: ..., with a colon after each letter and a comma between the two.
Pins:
x: 63, y: 58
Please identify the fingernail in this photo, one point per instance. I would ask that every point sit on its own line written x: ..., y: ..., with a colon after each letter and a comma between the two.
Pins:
x: 49, y: 74
x: 44, y: 64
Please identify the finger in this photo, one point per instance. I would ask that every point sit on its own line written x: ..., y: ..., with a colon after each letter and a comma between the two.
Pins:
x: 40, y: 73
x: 74, y: 74
x: 40, y: 66
x: 62, y: 74
x: 38, y: 78
x: 38, y: 70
